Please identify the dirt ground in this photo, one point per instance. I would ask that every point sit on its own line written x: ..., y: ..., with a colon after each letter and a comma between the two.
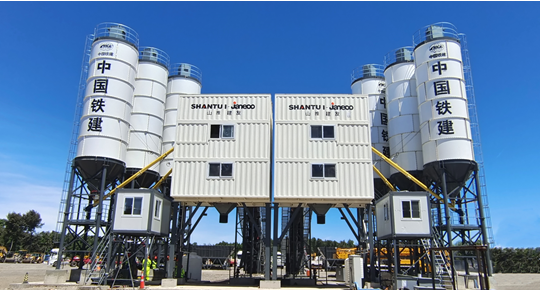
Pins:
x: 14, y: 273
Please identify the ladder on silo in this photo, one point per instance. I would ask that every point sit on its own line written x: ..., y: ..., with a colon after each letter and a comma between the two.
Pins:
x: 75, y: 130
x: 475, y: 130
x: 442, y: 269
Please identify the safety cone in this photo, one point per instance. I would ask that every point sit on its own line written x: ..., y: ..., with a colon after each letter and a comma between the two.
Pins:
x: 25, y: 280
x: 142, y: 282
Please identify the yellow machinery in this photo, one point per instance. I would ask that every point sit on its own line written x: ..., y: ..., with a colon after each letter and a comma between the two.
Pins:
x: 343, y: 253
x: 3, y: 252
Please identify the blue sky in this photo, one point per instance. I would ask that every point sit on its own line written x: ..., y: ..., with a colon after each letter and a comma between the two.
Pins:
x: 268, y: 47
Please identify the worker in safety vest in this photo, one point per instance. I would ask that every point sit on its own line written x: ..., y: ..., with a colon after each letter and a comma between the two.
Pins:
x: 150, y: 264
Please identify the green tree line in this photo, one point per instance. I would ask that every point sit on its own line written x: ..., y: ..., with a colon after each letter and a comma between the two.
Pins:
x: 18, y: 232
x: 515, y: 260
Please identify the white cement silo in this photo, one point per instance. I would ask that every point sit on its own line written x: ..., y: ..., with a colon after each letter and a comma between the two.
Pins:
x: 403, y: 118
x: 369, y: 80
x: 184, y: 79
x: 104, y: 129
x: 444, y: 118
x: 145, y: 139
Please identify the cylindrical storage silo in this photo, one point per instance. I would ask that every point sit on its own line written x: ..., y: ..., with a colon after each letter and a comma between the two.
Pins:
x: 104, y: 128
x: 184, y: 79
x: 145, y: 136
x: 442, y: 103
x: 403, y: 120
x: 369, y: 80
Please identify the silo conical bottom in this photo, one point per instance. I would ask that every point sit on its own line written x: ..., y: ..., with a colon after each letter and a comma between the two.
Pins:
x: 144, y: 180
x: 457, y: 172
x: 91, y: 168
x: 404, y: 183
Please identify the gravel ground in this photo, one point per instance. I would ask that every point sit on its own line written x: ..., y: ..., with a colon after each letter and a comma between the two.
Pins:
x: 14, y: 273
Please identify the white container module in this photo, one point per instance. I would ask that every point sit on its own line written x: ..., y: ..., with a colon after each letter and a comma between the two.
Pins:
x: 403, y: 117
x: 145, y: 139
x: 184, y: 79
x: 403, y: 215
x: 104, y: 130
x: 141, y: 212
x: 322, y: 150
x: 369, y: 79
x: 222, y: 152
x: 442, y: 103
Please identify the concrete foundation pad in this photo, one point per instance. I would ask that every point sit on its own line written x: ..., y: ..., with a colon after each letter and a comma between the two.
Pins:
x: 172, y: 282
x: 270, y: 284
x: 56, y: 276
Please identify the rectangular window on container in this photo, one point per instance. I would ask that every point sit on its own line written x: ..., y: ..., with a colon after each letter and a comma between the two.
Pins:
x: 221, y: 131
x: 133, y: 205
x: 157, y: 209
x: 323, y: 132
x: 323, y: 170
x: 410, y: 209
x: 220, y: 170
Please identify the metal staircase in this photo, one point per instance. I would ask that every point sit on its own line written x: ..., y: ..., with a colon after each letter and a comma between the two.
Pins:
x: 442, y: 266
x: 97, y: 270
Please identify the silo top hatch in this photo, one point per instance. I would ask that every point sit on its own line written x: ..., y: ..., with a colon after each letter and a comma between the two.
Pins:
x: 110, y: 30
x: 440, y: 30
x: 367, y: 71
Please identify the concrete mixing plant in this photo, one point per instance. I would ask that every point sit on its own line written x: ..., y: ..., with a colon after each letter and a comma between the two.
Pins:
x: 399, y: 158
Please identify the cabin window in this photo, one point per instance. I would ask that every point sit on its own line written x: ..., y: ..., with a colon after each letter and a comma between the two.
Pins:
x: 410, y: 209
x: 133, y: 205
x: 220, y: 170
x: 323, y: 132
x: 157, y: 209
x: 323, y: 170
x: 222, y: 131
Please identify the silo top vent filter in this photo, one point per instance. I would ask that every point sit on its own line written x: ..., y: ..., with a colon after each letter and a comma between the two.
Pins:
x: 108, y: 30
x: 117, y: 31
x: 404, y: 55
x: 186, y: 70
x: 367, y: 71
x: 399, y: 55
x: 435, y: 31
x: 149, y: 54
x: 153, y: 54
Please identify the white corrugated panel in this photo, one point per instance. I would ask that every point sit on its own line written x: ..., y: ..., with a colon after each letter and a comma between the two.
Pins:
x: 250, y: 184
x: 248, y: 150
x: 353, y: 185
x: 196, y: 142
x: 349, y: 150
